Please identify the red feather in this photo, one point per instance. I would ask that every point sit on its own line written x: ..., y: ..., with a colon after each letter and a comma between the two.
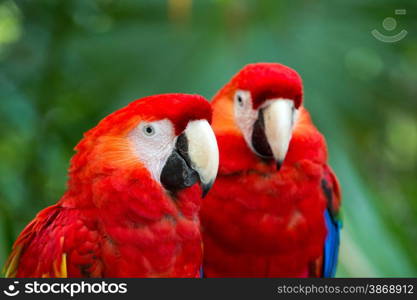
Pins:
x: 266, y: 81
x: 115, y: 220
x: 258, y: 222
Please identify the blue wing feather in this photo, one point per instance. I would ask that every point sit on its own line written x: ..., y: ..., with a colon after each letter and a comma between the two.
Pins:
x: 331, y: 245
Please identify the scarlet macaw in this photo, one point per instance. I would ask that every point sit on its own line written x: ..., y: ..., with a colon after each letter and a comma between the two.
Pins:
x: 131, y: 208
x: 273, y: 210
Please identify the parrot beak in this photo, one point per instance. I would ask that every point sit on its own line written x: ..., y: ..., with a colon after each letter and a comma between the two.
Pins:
x: 203, y: 152
x: 195, y: 158
x: 273, y: 130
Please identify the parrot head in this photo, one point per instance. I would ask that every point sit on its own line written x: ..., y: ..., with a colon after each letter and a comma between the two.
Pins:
x: 163, y: 140
x: 261, y: 103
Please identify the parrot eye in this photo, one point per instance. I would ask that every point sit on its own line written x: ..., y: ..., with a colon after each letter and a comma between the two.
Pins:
x: 241, y: 98
x: 148, y: 130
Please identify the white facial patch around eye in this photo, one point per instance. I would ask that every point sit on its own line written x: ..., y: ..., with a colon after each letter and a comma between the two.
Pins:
x: 153, y: 143
x: 245, y: 115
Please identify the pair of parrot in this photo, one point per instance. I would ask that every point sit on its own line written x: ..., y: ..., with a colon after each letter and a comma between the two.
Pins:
x: 134, y: 205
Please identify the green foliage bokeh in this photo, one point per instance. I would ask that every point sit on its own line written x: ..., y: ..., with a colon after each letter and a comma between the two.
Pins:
x: 64, y: 65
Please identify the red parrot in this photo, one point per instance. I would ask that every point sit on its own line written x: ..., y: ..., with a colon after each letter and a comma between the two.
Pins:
x: 273, y: 210
x: 133, y: 198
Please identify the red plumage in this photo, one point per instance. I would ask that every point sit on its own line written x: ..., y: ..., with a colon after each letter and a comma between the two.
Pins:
x: 261, y: 80
x: 115, y: 220
x: 258, y: 222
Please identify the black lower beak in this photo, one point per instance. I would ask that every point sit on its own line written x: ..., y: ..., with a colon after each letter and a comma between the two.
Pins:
x: 176, y: 174
x: 259, y: 141
x: 206, y: 188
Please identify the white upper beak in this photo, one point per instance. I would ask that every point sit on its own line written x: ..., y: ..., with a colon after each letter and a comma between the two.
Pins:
x: 279, y: 120
x: 203, y: 151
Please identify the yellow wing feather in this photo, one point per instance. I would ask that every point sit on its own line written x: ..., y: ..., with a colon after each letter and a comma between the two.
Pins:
x: 10, y: 268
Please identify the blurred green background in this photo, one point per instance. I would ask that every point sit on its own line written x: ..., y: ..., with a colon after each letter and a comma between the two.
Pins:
x: 64, y: 65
